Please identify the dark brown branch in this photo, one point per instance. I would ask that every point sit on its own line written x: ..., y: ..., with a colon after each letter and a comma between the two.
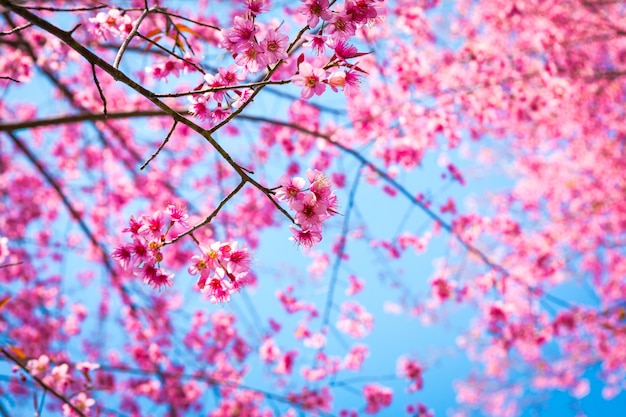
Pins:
x: 102, y: 97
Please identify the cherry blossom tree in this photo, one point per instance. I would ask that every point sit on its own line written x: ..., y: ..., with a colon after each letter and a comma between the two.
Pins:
x: 214, y: 208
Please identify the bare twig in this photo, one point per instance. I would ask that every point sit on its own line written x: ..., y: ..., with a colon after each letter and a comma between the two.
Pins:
x: 4, y: 77
x: 167, y: 138
x: 129, y: 38
x: 17, y: 29
x: 102, y: 97
x: 342, y: 246
x: 210, y: 216
x: 12, y: 264
x: 206, y: 25
x: 226, y: 87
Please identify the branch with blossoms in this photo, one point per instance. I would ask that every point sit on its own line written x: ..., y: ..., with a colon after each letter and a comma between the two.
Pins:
x: 312, y: 208
x: 291, y: 399
x: 57, y: 380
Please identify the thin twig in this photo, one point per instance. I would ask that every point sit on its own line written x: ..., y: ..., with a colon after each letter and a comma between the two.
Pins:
x: 17, y: 29
x: 73, y: 9
x: 4, y: 77
x: 167, y: 138
x: 341, y: 249
x: 130, y: 37
x: 225, y: 87
x: 210, y: 216
x: 206, y: 25
x: 102, y: 97
x: 12, y: 264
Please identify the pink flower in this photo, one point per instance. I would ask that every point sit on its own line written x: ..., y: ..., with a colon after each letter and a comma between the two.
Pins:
x: 354, y: 320
x: 177, y: 215
x: 241, y: 35
x: 218, y: 291
x: 310, y: 212
x: 268, y: 351
x: 305, y: 238
x: 285, y: 363
x: 156, y: 277
x: 219, y: 114
x: 355, y: 357
x: 377, y: 397
x: 38, y: 367
x: 341, y: 26
x: 59, y: 378
x: 314, y: 10
x: 199, y: 107
x: 82, y: 404
x: 316, y: 42
x: 244, y: 96
x: 348, y: 81
x: 411, y: 370
x: 355, y: 285
x: 87, y: 366
x: 256, y: 7
x: 274, y: 47
x: 250, y: 57
x: 290, y: 189
x: 123, y: 254
x: 311, y: 79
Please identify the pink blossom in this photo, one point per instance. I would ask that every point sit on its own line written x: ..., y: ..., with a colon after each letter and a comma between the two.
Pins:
x: 354, y: 320
x: 157, y: 278
x: 290, y: 189
x: 241, y: 35
x: 177, y: 215
x: 305, y: 238
x: 311, y: 79
x: 218, y: 291
x: 355, y: 357
x: 81, y: 402
x: 377, y: 397
x: 199, y: 107
x: 285, y: 363
x: 341, y: 26
x: 316, y: 42
x: 315, y: 10
x: 411, y: 370
x: 39, y: 367
x: 268, y: 351
x: 355, y: 285
x: 251, y: 57
x: 274, y: 47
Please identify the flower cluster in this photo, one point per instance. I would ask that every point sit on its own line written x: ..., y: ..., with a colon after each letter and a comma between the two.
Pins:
x: 250, y: 53
x: 412, y: 370
x: 222, y: 269
x: 313, y: 205
x: 113, y: 22
x: 226, y: 99
x: 62, y: 380
x: 166, y: 67
x: 354, y: 320
x: 377, y: 397
x: 143, y: 256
